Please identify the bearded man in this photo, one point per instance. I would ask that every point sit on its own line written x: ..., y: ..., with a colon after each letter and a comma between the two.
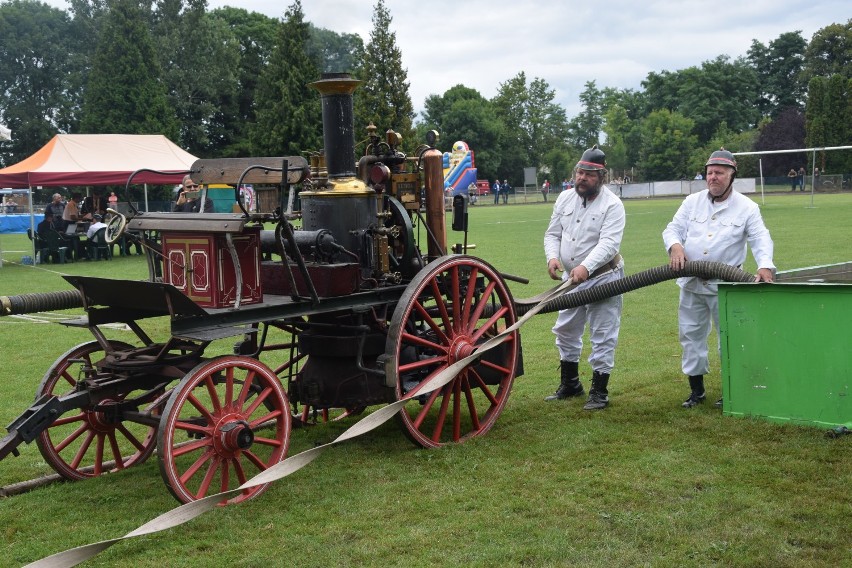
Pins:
x: 582, y: 243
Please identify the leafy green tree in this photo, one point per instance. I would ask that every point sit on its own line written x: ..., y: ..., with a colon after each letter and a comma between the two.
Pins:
x: 535, y: 126
x: 778, y: 68
x: 829, y: 53
x: 463, y: 113
x: 255, y: 34
x: 747, y: 166
x: 720, y: 90
x: 667, y: 144
x: 827, y: 120
x: 289, y: 119
x: 617, y: 127
x: 199, y: 57
x: 383, y: 97
x: 124, y: 93
x: 784, y: 132
x: 35, y: 77
x: 585, y: 128
x: 333, y: 52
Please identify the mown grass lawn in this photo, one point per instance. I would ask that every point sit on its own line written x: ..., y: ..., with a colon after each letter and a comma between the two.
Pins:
x: 642, y: 483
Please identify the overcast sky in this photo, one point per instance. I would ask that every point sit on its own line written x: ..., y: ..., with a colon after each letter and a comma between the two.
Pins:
x: 482, y: 43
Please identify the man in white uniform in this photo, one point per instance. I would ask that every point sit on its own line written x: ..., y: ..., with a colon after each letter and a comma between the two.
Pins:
x: 712, y: 225
x: 582, y: 242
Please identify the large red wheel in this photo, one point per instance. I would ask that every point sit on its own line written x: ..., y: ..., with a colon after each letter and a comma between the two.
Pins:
x: 226, y: 421
x: 90, y: 441
x: 452, y: 306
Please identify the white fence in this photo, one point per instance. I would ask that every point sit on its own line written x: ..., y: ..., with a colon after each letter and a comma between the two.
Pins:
x: 670, y: 188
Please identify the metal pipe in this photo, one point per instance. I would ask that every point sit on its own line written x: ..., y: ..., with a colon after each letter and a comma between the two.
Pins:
x: 433, y: 170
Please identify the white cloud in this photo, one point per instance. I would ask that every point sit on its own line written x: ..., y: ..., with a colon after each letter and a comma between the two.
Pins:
x: 482, y: 43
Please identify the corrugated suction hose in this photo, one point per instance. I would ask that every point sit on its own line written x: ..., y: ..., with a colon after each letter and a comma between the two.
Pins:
x: 701, y: 269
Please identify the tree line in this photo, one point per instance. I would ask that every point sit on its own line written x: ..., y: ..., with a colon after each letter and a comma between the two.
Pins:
x: 229, y: 83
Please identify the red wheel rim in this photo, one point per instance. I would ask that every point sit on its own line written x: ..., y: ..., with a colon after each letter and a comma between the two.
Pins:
x: 226, y: 421
x: 87, y: 442
x: 448, y: 310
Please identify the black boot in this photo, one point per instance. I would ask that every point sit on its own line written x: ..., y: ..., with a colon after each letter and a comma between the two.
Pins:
x: 570, y: 384
x: 598, y: 395
x: 697, y: 396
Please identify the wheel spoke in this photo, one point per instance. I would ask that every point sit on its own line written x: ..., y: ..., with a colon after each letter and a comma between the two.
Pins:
x: 487, y: 326
x: 193, y: 428
x: 264, y: 394
x: 68, y: 420
x: 128, y: 435
x: 471, y: 406
x: 99, y: 454
x: 215, y: 464
x: 453, y: 293
x: 468, y: 300
x: 213, y: 393
x: 428, y: 320
x: 81, y: 452
x: 71, y: 437
x: 410, y: 339
x: 179, y: 450
x: 208, y: 455
x: 441, y: 305
x: 229, y: 391
x: 200, y: 407
x: 477, y: 314
x: 457, y: 410
x: 442, y: 417
x: 427, y: 406
x: 116, y: 452
x: 252, y: 457
x: 246, y: 390
x: 255, y: 424
x: 424, y: 363
x: 480, y: 384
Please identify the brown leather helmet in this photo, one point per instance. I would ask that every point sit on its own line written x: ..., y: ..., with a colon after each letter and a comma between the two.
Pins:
x: 721, y: 157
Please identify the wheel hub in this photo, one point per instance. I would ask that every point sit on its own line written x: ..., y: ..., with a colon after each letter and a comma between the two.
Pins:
x: 460, y: 348
x: 235, y: 435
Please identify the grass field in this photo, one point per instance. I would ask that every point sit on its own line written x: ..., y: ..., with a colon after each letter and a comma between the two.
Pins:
x: 642, y: 483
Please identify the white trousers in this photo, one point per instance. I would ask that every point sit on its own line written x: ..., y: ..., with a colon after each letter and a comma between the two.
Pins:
x: 695, y: 314
x: 604, y: 319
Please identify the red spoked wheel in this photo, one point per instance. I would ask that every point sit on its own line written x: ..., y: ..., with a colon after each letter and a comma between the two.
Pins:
x: 226, y: 421
x: 91, y: 441
x: 451, y: 307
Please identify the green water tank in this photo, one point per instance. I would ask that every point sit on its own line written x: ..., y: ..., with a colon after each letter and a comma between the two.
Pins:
x: 787, y: 349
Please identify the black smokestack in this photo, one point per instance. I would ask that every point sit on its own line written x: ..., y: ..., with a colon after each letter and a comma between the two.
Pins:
x: 338, y: 130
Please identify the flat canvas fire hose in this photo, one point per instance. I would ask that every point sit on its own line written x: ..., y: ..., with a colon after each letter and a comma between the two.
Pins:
x: 552, y: 300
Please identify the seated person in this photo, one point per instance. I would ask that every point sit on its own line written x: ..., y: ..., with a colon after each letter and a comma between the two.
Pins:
x: 96, y: 225
x: 47, y: 224
x: 187, y: 204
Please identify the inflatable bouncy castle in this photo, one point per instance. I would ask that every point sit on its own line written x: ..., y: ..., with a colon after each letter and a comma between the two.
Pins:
x: 459, y: 169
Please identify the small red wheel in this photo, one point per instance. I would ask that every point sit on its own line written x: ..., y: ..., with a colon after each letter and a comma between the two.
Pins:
x: 226, y: 421
x: 440, y: 319
x: 89, y: 441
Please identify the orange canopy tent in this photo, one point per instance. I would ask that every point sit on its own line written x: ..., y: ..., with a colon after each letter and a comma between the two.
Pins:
x: 100, y: 159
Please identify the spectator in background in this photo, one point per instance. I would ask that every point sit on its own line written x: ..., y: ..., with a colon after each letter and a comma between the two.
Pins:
x: 188, y: 200
x: 97, y: 224
x: 71, y: 213
x: 816, y: 178
x: 113, y: 200
x: 472, y: 193
x: 504, y: 190
x: 57, y: 208
x: 698, y: 176
x: 47, y: 224
x: 802, y: 178
x: 712, y: 225
x: 794, y: 179
x: 545, y: 189
x: 495, y: 190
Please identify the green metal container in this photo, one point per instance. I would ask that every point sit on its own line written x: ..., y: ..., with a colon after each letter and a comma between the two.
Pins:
x: 787, y: 347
